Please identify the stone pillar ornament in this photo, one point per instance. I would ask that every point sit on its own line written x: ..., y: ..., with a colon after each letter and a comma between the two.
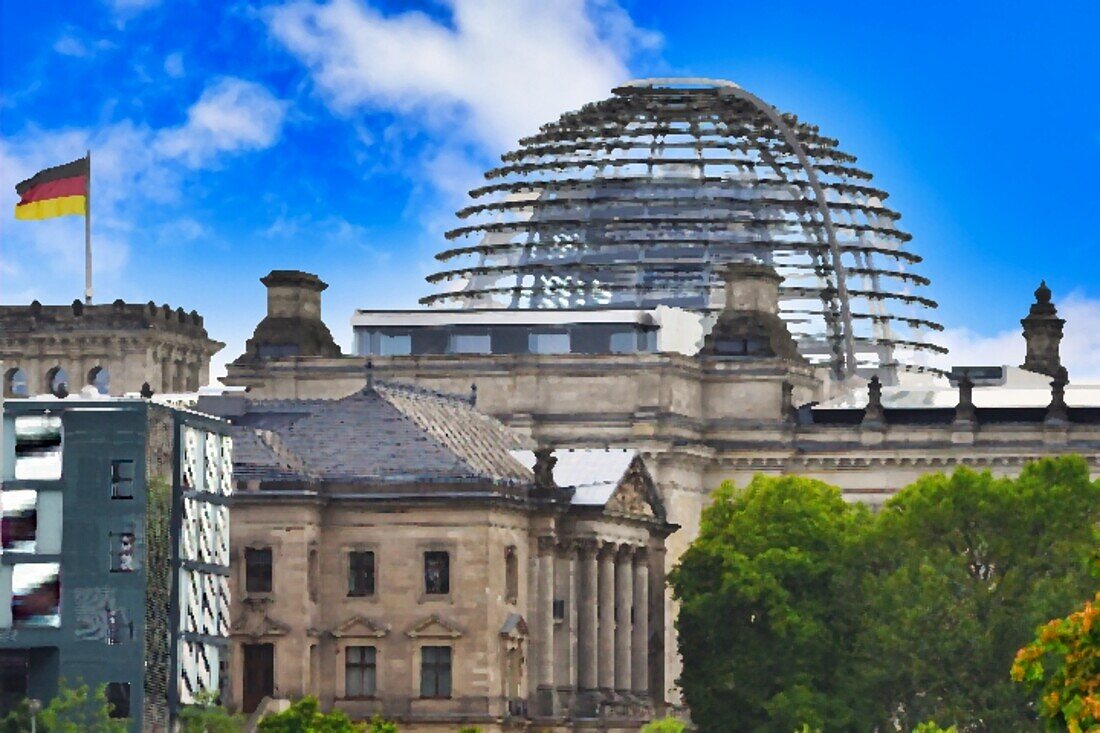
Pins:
x: 624, y: 601
x: 639, y: 643
x: 1043, y: 334
x: 587, y: 615
x: 606, y: 644
x: 874, y: 414
x: 1058, y: 410
x: 965, y: 411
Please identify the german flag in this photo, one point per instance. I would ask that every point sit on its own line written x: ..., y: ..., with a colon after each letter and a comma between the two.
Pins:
x: 58, y: 191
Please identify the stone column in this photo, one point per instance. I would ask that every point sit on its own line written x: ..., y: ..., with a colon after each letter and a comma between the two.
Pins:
x: 587, y: 614
x: 639, y: 666
x: 606, y: 647
x: 545, y: 616
x: 624, y: 599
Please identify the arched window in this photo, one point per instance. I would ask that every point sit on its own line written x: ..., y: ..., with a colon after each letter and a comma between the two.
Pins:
x: 100, y: 378
x: 58, y: 380
x: 15, y: 383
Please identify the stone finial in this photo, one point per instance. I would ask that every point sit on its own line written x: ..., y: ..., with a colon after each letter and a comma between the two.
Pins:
x: 369, y: 368
x: 293, y: 325
x: 544, y: 468
x: 749, y: 324
x: 965, y: 411
x: 473, y: 395
x: 1043, y: 334
x: 1058, y: 410
x: 874, y: 413
x: 146, y: 390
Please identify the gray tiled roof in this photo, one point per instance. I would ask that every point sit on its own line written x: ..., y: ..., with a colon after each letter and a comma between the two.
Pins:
x: 384, y: 433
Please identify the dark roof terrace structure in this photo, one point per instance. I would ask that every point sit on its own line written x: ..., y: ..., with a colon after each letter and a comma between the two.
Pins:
x: 640, y: 199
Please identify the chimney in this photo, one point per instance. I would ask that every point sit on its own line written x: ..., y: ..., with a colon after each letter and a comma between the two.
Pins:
x: 293, y: 325
x: 1043, y: 335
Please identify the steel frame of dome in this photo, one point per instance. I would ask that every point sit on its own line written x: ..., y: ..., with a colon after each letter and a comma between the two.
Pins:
x: 639, y: 199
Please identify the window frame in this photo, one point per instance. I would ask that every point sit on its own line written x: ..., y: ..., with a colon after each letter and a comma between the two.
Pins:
x: 439, y: 664
x: 248, y: 589
x: 362, y: 665
x: 118, y: 480
x: 446, y: 580
x: 372, y: 589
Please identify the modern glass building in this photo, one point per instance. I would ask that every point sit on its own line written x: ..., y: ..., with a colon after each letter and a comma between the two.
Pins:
x: 114, y: 553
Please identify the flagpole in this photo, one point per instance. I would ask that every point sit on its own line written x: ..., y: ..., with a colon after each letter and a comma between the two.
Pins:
x: 88, y: 236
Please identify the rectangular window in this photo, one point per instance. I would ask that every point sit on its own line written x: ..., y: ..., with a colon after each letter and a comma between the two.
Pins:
x: 470, y: 343
x: 360, y: 671
x: 122, y: 479
x: 400, y: 345
x: 360, y: 573
x: 435, y: 671
x: 437, y: 572
x: 559, y: 609
x: 122, y: 552
x: 624, y: 342
x: 257, y: 569
x: 18, y: 520
x: 36, y: 595
x: 118, y: 699
x: 548, y: 343
x: 38, y: 447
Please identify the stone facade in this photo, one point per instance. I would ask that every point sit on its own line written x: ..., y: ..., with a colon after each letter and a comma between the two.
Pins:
x: 722, y: 415
x: 120, y: 348
x: 546, y: 584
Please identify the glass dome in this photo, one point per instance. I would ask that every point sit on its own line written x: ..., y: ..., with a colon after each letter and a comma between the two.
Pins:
x: 640, y: 199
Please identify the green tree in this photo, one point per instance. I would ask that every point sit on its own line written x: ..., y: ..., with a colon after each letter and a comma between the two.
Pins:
x: 206, y: 716
x: 961, y: 569
x: 72, y: 710
x: 765, y: 606
x: 378, y: 724
x: 1063, y: 664
x: 668, y: 724
x: 305, y: 716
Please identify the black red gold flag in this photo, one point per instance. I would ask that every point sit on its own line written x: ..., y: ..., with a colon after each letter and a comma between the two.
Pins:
x: 58, y: 191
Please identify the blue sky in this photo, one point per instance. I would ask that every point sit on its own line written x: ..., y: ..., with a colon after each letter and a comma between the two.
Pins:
x: 230, y: 138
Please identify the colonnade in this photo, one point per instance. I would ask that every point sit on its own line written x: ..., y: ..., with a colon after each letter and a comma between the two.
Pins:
x: 591, y: 620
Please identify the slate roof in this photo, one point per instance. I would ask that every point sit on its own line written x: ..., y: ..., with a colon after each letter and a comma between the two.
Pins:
x: 385, y: 433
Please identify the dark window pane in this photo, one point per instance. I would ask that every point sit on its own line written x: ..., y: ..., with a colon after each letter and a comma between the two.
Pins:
x: 257, y: 569
x: 122, y: 479
x: 118, y: 699
x: 360, y: 667
x: 437, y: 572
x: 559, y: 610
x: 435, y: 671
x: 361, y: 574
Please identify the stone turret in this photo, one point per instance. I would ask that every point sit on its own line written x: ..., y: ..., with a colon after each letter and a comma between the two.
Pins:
x: 293, y: 325
x: 1043, y: 335
x: 749, y: 325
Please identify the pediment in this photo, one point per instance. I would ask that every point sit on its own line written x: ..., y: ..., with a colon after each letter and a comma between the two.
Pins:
x: 514, y: 627
x: 434, y: 627
x: 257, y: 624
x: 360, y: 626
x: 636, y: 495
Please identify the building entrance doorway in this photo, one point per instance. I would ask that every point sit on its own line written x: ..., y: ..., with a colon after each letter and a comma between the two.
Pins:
x: 259, y: 675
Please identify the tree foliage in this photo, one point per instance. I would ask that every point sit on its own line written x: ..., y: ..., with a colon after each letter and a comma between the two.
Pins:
x: 74, y: 709
x: 206, y: 716
x: 797, y: 608
x: 305, y: 716
x: 668, y: 724
x: 1063, y: 663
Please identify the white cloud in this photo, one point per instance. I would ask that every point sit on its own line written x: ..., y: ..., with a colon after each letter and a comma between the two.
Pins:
x: 173, y: 65
x: 133, y: 166
x: 502, y: 68
x: 1080, y: 343
x: 69, y: 45
x: 130, y: 8
x: 231, y: 115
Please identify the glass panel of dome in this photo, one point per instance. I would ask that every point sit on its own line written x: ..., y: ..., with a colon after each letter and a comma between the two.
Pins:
x: 400, y: 345
x: 624, y: 342
x: 470, y: 343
